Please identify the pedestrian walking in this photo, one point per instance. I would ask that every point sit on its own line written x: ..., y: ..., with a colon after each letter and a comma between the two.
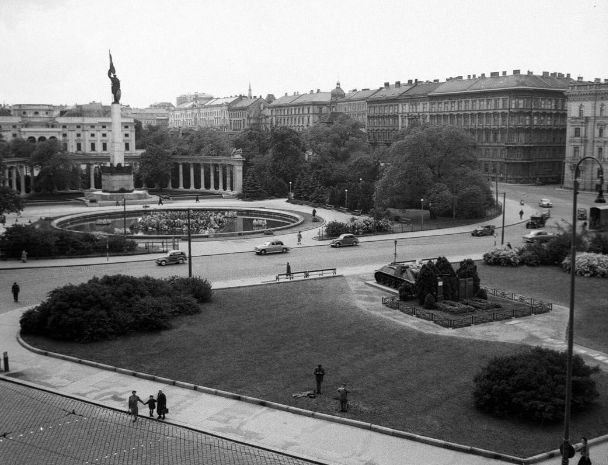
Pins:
x: 117, y: 203
x: 343, y: 397
x: 314, y: 212
x: 196, y: 200
x: 521, y: 214
x: 299, y: 238
x: 509, y: 245
x: 161, y: 405
x: 288, y: 270
x: 133, y: 405
x: 494, y: 239
x: 160, y: 200
x: 319, y: 373
x: 585, y: 459
x: 24, y: 256
x: 15, y: 288
x: 151, y: 403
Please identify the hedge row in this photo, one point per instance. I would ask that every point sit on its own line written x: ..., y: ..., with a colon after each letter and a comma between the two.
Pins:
x: 108, y: 307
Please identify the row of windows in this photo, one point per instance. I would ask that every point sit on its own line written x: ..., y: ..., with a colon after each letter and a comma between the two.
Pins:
x: 578, y: 131
x: 581, y: 110
x: 291, y: 111
x: 93, y: 146
x: 576, y: 153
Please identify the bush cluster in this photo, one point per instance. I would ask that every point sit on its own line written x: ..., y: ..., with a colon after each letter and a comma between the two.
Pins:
x: 56, y: 242
x: 108, y: 307
x: 588, y: 264
x: 531, y: 386
x: 358, y: 226
x: 502, y: 257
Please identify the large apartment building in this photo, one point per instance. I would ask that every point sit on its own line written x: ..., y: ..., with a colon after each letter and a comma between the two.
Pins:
x: 587, y: 132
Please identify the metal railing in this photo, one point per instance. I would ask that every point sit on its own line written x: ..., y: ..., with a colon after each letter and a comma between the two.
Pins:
x: 533, y: 307
x: 306, y: 274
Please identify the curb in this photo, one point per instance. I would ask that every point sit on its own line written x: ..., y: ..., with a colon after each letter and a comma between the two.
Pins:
x: 298, y: 411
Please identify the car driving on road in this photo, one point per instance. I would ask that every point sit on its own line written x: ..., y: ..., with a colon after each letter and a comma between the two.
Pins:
x: 487, y: 230
x: 172, y: 257
x: 344, y: 240
x: 539, y: 235
x: 274, y: 246
x: 545, y: 203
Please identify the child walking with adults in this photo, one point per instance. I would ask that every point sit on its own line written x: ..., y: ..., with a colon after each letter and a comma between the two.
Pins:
x: 151, y: 403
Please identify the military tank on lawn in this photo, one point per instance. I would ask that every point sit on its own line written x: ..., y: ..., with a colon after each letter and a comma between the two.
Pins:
x: 397, y: 274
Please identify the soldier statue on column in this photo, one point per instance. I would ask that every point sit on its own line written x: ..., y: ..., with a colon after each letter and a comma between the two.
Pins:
x: 115, y: 81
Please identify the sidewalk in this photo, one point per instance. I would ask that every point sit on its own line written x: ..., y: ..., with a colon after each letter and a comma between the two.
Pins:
x: 328, y: 440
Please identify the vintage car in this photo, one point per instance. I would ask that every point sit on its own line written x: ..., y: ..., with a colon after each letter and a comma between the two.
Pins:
x: 172, y: 257
x: 545, y: 203
x: 344, y: 240
x: 487, y: 230
x: 540, y: 235
x: 274, y: 246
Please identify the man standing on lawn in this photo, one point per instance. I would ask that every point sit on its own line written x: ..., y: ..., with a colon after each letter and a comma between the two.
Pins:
x: 343, y: 396
x: 319, y: 373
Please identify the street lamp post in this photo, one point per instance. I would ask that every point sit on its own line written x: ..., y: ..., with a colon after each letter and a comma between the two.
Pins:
x: 124, y: 216
x: 502, y: 233
x: 421, y: 214
x: 566, y: 447
x: 189, y: 247
x: 290, y: 189
x: 395, y: 254
x: 345, y: 198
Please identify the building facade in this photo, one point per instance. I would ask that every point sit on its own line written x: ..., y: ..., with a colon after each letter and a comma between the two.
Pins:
x: 587, y: 132
x: 383, y: 120
x: 245, y: 113
x: 354, y: 105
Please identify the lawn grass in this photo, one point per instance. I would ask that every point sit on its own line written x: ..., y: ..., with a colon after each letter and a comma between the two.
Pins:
x: 551, y: 284
x: 265, y: 342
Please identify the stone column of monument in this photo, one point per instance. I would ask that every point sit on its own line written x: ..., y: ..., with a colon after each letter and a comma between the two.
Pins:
x: 117, y: 156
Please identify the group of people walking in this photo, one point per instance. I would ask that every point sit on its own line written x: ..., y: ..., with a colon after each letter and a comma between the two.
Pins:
x: 319, y: 373
x: 159, y: 404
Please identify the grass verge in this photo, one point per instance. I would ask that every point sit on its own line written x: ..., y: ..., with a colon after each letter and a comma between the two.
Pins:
x: 265, y: 342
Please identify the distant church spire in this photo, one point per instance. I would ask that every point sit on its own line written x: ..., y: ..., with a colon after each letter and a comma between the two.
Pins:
x: 249, y: 94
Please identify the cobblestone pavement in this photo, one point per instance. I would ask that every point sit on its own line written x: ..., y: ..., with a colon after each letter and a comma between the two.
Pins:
x: 38, y: 427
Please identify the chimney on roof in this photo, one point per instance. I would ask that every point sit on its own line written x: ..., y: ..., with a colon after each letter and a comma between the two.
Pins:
x: 530, y: 73
x: 580, y: 78
x: 285, y: 94
x: 568, y: 75
x: 504, y: 73
x: 553, y: 74
x: 409, y: 81
x: 483, y: 75
x: 468, y: 76
x: 435, y: 80
x: 605, y: 81
x: 494, y: 74
x: 560, y: 75
x: 597, y: 80
x: 386, y: 85
x: 415, y: 81
x: 311, y: 92
x: 397, y: 83
x: 474, y: 76
x: 516, y: 72
x: 318, y: 90
x: 545, y: 73
x: 459, y: 78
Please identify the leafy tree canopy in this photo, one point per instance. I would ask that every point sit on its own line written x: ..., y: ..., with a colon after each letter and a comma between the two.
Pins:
x: 339, y: 141
x: 10, y: 201
x: 56, y: 168
x: 155, y: 165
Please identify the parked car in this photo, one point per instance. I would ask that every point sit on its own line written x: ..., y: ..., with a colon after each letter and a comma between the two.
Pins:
x: 546, y: 213
x: 539, y: 235
x: 545, y: 203
x: 487, y: 230
x: 538, y: 220
x: 275, y: 246
x: 172, y: 257
x: 344, y: 240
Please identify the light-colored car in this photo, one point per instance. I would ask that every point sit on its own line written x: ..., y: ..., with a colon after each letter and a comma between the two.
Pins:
x: 545, y: 203
x: 344, y: 240
x: 274, y: 246
x: 538, y: 235
x: 487, y: 230
x: 172, y: 257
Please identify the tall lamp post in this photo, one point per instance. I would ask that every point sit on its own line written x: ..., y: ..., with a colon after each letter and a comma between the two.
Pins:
x: 189, y: 247
x: 290, y: 189
x: 566, y: 446
x: 502, y: 232
x: 124, y: 216
x: 345, y: 198
x: 421, y: 214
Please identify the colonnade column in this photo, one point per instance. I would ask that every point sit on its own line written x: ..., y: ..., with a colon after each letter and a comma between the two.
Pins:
x: 191, y: 176
x: 211, y: 177
x: 14, y: 178
x: 237, y: 170
x: 6, y: 177
x: 180, y: 170
x: 220, y: 172
x: 91, y: 176
x: 202, y: 176
x: 22, y: 176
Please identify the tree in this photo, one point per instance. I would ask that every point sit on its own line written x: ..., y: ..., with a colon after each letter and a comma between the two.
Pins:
x: 253, y: 142
x: 531, y: 385
x: 450, y: 282
x: 468, y: 269
x: 155, y: 166
x: 20, y: 148
x: 252, y: 188
x: 206, y: 142
x: 286, y: 154
x: 55, y: 167
x: 10, y: 201
x: 426, y: 282
x: 341, y: 140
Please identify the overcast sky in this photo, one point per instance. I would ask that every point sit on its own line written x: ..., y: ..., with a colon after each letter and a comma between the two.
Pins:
x: 56, y: 51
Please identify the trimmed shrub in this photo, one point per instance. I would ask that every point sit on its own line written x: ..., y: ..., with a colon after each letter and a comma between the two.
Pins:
x: 501, y: 257
x: 429, y: 302
x: 450, y: 284
x: 598, y: 244
x: 426, y: 282
x: 531, y: 386
x: 468, y: 269
x: 108, y: 307
x: 588, y: 264
x: 483, y: 295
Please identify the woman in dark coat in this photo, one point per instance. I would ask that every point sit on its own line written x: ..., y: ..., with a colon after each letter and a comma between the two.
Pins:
x: 161, y: 406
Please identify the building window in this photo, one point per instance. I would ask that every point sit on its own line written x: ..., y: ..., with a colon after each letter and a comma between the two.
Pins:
x: 577, y: 132
x: 77, y: 134
x: 127, y: 146
x: 64, y: 135
x: 600, y: 131
x: 78, y: 147
x: 602, y: 109
x: 64, y: 127
x: 581, y: 112
x: 103, y: 127
x: 92, y: 135
x: 126, y: 127
x: 600, y: 153
x: 78, y: 127
x: 104, y: 135
x: 576, y: 152
x: 92, y: 146
x: 65, y: 146
x: 104, y: 147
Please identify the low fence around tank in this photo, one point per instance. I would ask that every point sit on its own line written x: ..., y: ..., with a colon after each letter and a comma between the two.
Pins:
x: 533, y: 307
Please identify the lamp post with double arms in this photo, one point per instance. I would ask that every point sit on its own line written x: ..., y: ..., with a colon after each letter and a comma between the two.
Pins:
x: 566, y: 446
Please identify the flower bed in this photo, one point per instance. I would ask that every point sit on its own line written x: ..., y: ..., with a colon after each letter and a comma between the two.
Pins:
x: 588, y: 264
x: 454, y: 308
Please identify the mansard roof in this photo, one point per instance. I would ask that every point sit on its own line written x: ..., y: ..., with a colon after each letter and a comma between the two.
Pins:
x: 359, y: 95
x: 244, y: 103
x: 220, y: 101
x: 494, y: 83
x: 389, y: 93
